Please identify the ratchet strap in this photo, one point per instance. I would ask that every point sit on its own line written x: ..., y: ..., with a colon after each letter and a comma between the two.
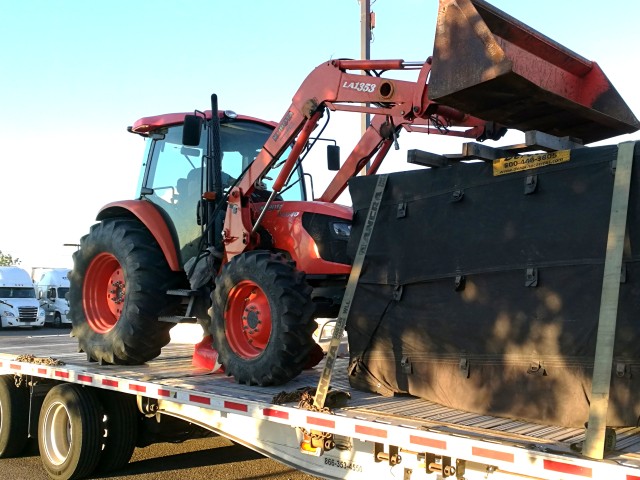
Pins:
x: 356, y: 269
x: 595, y: 437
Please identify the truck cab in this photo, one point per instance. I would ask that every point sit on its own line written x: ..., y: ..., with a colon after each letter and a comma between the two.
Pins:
x: 52, y: 290
x: 19, y: 306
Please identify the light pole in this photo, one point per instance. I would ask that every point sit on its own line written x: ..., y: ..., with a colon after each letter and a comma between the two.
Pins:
x: 366, y: 25
x: 365, y: 47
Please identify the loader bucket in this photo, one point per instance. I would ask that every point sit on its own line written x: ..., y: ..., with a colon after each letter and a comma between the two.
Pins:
x: 492, y: 66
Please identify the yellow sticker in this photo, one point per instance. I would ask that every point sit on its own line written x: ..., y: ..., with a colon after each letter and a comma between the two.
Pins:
x: 503, y: 166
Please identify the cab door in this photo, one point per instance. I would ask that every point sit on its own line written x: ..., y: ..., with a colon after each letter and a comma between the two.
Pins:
x: 50, y: 304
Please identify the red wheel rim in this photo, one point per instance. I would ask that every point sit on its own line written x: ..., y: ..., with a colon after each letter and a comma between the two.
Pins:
x: 103, y: 293
x: 247, y: 319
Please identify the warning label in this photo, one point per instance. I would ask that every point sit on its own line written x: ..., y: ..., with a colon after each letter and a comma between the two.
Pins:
x: 503, y: 166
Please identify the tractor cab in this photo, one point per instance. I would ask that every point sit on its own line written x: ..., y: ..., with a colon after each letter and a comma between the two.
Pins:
x: 175, y: 176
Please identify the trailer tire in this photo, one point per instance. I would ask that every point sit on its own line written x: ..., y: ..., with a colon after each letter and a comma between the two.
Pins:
x: 117, y: 292
x: 262, y: 322
x: 14, y: 417
x: 121, y: 430
x: 70, y: 432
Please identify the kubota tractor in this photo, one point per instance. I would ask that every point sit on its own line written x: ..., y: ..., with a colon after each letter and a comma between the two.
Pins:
x: 223, y: 230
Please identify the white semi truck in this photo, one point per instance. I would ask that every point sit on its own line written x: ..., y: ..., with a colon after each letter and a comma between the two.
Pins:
x: 19, y: 306
x: 52, y: 290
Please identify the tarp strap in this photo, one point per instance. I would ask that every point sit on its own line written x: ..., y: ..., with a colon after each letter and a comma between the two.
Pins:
x: 595, y: 436
x: 356, y: 269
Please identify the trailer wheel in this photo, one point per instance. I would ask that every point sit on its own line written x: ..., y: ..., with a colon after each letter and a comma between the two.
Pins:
x: 262, y: 322
x: 121, y: 430
x: 14, y: 417
x: 117, y: 292
x: 70, y: 431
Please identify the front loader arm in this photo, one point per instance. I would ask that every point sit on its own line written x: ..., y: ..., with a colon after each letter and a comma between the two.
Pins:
x: 394, y: 103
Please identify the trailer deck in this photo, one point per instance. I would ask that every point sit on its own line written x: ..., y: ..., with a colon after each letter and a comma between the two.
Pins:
x: 403, y: 420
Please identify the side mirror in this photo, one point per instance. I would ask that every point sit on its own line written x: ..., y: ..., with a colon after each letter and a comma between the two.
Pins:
x: 191, y: 130
x: 333, y: 157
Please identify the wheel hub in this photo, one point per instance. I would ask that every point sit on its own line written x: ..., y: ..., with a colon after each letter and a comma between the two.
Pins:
x: 116, y: 294
x: 248, y: 319
x: 103, y: 292
x: 251, y: 319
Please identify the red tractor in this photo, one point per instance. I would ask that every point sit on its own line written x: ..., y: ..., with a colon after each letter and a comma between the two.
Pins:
x: 223, y: 230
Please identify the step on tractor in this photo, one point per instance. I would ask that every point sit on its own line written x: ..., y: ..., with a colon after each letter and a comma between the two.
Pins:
x: 225, y: 232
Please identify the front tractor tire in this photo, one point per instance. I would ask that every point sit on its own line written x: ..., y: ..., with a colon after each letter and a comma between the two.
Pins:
x: 262, y: 321
x: 118, y: 290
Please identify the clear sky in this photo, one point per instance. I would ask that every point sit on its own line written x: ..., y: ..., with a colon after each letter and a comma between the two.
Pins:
x: 74, y: 74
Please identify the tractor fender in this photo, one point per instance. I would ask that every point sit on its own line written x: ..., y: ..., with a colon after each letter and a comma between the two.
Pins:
x: 151, y: 218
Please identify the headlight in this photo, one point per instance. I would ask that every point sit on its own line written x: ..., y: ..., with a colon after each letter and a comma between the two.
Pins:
x: 7, y: 313
x: 341, y: 229
x: 40, y: 312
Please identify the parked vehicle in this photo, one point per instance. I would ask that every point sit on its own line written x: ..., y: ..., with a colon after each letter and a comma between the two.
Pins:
x: 19, y: 306
x: 53, y: 292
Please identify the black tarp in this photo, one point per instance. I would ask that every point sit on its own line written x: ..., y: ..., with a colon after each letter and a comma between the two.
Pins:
x: 482, y: 292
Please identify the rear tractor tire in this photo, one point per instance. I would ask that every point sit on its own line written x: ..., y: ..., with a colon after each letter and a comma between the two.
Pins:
x: 262, y: 322
x: 117, y: 292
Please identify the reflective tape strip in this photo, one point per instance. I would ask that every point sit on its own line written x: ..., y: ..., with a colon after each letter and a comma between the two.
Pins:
x: 241, y: 407
x: 371, y: 431
x: 562, y: 467
x: 427, y: 442
x: 493, y: 454
x: 321, y: 422
x: 200, y: 399
x: 272, y: 412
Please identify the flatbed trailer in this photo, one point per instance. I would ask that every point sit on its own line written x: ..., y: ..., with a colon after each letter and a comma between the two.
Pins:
x: 375, y: 437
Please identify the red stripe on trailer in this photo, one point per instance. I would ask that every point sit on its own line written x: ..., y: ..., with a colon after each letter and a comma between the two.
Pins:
x: 61, y: 374
x: 321, y: 422
x: 137, y: 388
x: 200, y: 399
x: 109, y: 383
x: 13, y: 366
x: 85, y: 378
x: 567, y: 468
x: 633, y: 477
x: 241, y: 407
x: 272, y: 412
x: 42, y: 371
x: 493, y: 454
x: 372, y: 432
x: 164, y: 393
x: 428, y: 442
